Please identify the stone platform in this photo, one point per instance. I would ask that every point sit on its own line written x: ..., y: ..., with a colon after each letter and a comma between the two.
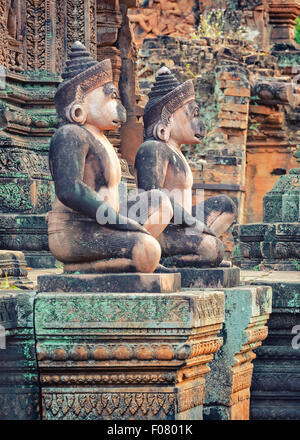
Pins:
x: 208, y: 277
x: 218, y: 277
x: 123, y: 282
x: 138, y: 355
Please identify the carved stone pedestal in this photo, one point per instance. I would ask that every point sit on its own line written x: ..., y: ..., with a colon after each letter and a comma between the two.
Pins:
x: 275, y: 390
x: 217, y: 277
x: 109, y: 282
x: 207, y: 277
x: 227, y: 395
x: 122, y: 356
x: 19, y: 388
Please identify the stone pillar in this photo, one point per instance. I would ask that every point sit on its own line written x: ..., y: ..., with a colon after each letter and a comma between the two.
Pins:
x: 19, y: 387
x: 283, y: 15
x: 132, y: 130
x: 107, y: 355
x: 275, y: 390
x: 227, y: 395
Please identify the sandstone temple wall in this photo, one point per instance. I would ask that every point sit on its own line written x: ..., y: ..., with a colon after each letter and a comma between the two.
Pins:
x: 250, y: 136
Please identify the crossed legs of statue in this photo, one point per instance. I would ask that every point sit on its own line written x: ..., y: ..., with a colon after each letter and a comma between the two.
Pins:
x: 199, y: 250
x: 86, y: 246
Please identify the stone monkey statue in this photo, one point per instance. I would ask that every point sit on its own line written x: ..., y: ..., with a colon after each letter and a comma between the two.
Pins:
x: 171, y: 119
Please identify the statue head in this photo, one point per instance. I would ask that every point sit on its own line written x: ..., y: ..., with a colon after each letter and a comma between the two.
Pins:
x: 88, y: 95
x: 172, y: 112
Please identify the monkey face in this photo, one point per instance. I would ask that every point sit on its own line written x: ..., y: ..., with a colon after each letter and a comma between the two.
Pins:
x: 186, y: 126
x: 104, y: 109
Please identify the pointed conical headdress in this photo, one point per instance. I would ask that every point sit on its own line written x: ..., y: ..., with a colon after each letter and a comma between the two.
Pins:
x: 166, y: 96
x: 81, y: 75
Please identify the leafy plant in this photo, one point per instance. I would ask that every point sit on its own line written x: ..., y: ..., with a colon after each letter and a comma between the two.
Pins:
x: 297, y: 30
x: 214, y: 24
x: 296, y: 264
x: 254, y: 126
x: 6, y: 285
x: 188, y: 69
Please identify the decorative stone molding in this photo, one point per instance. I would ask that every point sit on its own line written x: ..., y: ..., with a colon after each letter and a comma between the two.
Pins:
x: 162, y: 342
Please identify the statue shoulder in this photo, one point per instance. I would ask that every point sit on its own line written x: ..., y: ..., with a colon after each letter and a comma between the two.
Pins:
x: 152, y: 148
x: 69, y: 137
x: 70, y: 131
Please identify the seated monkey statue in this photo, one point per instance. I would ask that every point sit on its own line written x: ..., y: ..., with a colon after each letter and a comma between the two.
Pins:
x: 171, y: 119
x: 86, y: 230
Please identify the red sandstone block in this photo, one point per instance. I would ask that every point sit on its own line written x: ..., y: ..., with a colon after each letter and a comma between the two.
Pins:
x: 235, y: 91
x: 260, y: 110
x: 235, y: 116
x: 236, y: 140
x: 223, y: 84
x: 275, y: 119
x: 228, y: 76
x: 230, y: 107
x: 225, y: 123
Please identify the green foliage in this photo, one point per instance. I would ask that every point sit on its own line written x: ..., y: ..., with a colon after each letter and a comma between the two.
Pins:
x: 6, y: 285
x: 254, y: 125
x: 296, y: 264
x: 214, y: 24
x: 297, y: 30
x: 211, y: 25
x: 188, y: 69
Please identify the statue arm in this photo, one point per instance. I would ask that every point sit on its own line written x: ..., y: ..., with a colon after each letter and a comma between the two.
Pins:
x: 151, y: 166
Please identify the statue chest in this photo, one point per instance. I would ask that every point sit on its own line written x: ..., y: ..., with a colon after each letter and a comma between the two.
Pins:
x: 103, y: 165
x: 179, y: 174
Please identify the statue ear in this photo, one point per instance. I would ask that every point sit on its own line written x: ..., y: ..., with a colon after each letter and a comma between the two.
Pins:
x: 76, y: 113
x: 161, y: 132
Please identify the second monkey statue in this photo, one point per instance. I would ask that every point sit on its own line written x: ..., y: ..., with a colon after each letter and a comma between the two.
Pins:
x: 172, y: 119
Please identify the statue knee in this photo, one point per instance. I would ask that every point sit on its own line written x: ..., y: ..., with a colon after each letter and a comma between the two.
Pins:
x: 228, y: 205
x: 220, y: 204
x: 146, y: 254
x: 211, y: 249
